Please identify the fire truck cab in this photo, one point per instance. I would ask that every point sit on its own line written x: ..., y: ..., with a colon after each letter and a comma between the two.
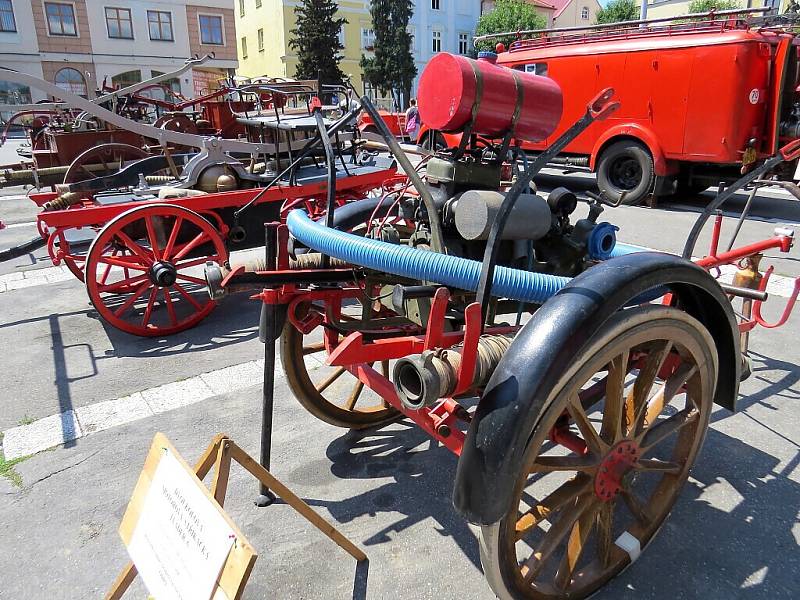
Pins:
x: 701, y: 100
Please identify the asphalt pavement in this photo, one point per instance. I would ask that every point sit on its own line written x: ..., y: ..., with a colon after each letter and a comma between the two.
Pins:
x: 735, y: 532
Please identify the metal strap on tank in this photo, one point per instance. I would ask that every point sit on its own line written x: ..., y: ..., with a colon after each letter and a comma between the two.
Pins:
x: 475, y: 108
x: 514, y: 119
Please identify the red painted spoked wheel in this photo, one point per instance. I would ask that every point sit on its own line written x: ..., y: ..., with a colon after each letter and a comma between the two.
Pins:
x: 102, y: 160
x: 638, y: 400
x: 144, y: 270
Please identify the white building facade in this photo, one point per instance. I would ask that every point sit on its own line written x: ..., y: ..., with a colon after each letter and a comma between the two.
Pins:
x: 79, y: 44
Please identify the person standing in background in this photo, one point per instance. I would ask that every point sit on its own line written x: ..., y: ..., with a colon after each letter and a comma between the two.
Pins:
x: 413, y: 121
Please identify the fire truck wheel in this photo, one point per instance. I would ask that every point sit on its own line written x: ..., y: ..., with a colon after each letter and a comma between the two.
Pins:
x: 332, y: 394
x: 626, y: 166
x: 433, y: 141
x: 634, y: 409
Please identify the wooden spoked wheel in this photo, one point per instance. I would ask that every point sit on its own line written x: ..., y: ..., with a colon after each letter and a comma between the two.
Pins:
x: 332, y: 394
x: 144, y: 270
x: 639, y: 399
x: 102, y: 160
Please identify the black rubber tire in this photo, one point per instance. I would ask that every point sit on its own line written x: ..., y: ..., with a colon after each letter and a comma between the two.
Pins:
x: 433, y: 144
x: 626, y: 166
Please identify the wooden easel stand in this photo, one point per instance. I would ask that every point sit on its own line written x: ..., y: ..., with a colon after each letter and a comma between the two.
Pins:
x: 219, y: 455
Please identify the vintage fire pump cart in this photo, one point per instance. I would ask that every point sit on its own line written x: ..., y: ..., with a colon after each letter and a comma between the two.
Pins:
x: 572, y: 375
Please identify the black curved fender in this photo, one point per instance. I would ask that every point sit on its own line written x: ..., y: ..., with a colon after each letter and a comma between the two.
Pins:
x: 546, y: 345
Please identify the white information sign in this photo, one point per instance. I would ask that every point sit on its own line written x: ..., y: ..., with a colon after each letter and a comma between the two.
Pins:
x: 181, y: 540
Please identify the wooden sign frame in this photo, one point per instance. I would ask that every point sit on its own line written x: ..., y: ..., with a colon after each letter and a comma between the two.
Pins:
x: 242, y: 557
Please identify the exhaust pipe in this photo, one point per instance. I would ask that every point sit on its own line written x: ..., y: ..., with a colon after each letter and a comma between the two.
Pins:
x: 420, y: 381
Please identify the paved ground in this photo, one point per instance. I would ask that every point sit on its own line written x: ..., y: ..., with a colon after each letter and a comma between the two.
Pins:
x: 734, y: 533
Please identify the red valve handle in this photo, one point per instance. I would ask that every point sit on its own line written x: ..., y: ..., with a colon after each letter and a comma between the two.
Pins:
x: 601, y: 107
x: 791, y: 150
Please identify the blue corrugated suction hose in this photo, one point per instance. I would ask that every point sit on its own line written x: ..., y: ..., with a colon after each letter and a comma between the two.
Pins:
x: 621, y: 249
x: 452, y: 271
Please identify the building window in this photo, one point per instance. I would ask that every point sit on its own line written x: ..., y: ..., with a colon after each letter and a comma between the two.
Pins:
x: 463, y: 43
x: 244, y: 47
x: 123, y: 80
x: 435, y: 4
x: 260, y: 40
x: 160, y: 25
x: 436, y: 37
x: 71, y: 80
x: 367, y: 38
x: 60, y: 19
x: 258, y: 3
x: 7, y: 22
x: 412, y: 34
x: 119, y: 24
x: 241, y: 8
x: 341, y: 36
x: 211, y: 30
x: 585, y: 13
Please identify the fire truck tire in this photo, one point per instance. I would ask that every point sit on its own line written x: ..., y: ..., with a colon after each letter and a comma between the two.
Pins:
x: 604, y: 506
x: 432, y: 140
x: 626, y: 166
x: 328, y: 393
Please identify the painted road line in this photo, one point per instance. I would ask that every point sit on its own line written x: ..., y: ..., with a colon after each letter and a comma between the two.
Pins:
x: 18, y: 225
x: 86, y: 420
x: 34, y: 277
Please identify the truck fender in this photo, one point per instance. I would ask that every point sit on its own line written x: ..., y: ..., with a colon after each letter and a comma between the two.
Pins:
x: 524, y: 381
x: 633, y: 130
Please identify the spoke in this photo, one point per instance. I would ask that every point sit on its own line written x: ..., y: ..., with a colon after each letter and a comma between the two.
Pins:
x: 327, y: 383
x: 134, y: 297
x: 134, y: 247
x: 662, y: 430
x: 107, y: 270
x: 196, y: 241
x: 313, y: 348
x: 121, y: 262
x: 554, y: 536
x: 611, y: 430
x: 151, y: 235
x: 356, y: 393
x: 545, y: 464
x: 649, y: 464
x: 635, y: 506
x: 644, y: 382
x: 122, y: 283
x: 173, y: 236
x: 188, y: 296
x: 191, y: 279
x: 170, y: 308
x: 593, y: 441
x: 575, y: 545
x: 563, y: 494
x: 197, y: 261
x: 605, y: 531
x: 666, y: 393
x: 148, y: 311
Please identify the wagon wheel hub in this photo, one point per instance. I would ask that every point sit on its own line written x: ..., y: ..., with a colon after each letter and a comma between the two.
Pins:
x: 615, y: 469
x: 163, y: 274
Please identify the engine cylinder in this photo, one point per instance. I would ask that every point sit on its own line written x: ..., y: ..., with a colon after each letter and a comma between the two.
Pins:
x: 476, y: 210
x: 449, y: 89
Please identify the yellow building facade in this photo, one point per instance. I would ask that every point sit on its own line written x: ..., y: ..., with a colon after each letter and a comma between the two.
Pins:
x: 263, y: 30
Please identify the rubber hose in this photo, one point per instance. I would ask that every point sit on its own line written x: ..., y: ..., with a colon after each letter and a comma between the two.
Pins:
x: 423, y: 265
x: 621, y: 249
x: 356, y: 213
x: 22, y: 249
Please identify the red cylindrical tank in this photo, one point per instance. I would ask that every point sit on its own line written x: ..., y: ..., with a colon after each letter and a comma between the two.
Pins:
x: 448, y: 90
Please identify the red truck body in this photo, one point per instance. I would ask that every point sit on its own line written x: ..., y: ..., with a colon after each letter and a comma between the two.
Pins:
x: 698, y: 99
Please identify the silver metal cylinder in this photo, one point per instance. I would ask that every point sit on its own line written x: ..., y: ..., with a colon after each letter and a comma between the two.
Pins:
x: 476, y: 210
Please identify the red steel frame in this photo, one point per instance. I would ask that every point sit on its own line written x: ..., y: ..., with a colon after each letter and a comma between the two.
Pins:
x: 355, y: 354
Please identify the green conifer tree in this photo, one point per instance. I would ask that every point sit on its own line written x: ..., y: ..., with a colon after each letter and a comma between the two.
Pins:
x: 315, y: 38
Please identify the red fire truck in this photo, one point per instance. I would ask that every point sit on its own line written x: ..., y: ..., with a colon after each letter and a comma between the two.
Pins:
x: 702, y: 98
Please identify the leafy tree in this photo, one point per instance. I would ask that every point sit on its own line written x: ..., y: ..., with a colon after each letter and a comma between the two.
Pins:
x: 392, y: 67
x: 316, y: 40
x: 508, y: 15
x: 617, y: 11
x: 704, y: 6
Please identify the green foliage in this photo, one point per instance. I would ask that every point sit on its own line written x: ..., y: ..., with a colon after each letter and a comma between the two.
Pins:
x: 7, y: 469
x: 392, y: 67
x: 704, y: 6
x: 316, y: 40
x: 508, y: 15
x: 618, y: 11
